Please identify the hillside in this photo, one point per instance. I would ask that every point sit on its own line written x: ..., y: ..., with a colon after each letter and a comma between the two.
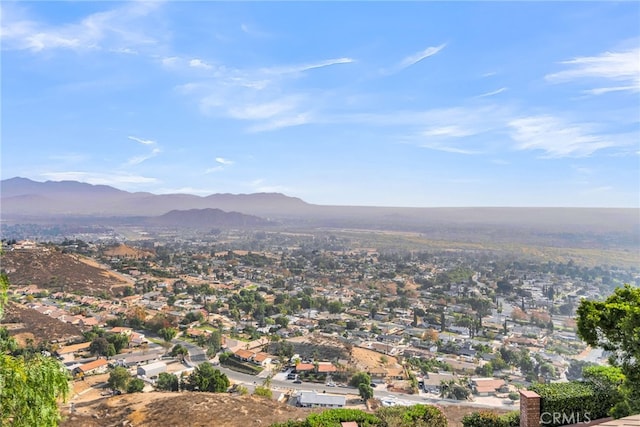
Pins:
x: 49, y: 268
x: 22, y: 197
x: 206, y: 218
x: 158, y: 409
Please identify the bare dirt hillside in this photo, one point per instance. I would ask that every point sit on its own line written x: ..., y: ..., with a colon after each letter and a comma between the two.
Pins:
x: 26, y: 324
x: 49, y: 268
x: 158, y: 409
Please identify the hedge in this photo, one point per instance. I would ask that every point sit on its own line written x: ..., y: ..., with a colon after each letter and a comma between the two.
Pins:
x: 397, y: 416
x: 573, y: 402
x: 491, y: 419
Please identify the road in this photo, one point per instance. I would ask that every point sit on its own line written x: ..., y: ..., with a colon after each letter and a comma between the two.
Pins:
x: 198, y: 356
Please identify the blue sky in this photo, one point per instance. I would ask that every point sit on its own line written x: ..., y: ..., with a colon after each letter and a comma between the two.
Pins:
x: 366, y: 103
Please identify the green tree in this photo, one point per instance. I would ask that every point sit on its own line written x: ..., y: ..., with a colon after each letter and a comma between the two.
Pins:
x: 168, y: 334
x: 30, y: 387
x: 360, y: 378
x: 167, y: 382
x: 614, y: 325
x: 99, y: 346
x: 365, y: 391
x: 119, y: 378
x: 135, y: 385
x: 206, y: 378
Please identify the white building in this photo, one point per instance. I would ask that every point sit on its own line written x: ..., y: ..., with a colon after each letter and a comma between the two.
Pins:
x: 311, y: 399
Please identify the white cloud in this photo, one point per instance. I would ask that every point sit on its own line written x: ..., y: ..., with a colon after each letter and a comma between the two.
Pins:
x: 283, y: 122
x: 414, y: 59
x: 116, y: 30
x: 492, y: 93
x: 264, y: 111
x: 224, y: 161
x: 136, y: 160
x: 142, y: 141
x: 558, y: 138
x: 448, y: 148
x: 169, y: 61
x: 291, y: 69
x: 621, y: 66
x: 99, y: 178
x: 199, y: 63
x: 450, y: 131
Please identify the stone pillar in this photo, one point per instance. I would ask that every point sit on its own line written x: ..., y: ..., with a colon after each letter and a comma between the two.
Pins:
x: 529, y: 409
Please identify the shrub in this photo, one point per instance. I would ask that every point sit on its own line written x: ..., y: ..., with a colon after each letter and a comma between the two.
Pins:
x: 333, y: 418
x: 412, y: 416
x: 575, y: 402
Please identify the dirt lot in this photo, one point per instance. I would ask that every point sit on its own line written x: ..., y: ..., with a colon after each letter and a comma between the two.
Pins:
x: 368, y: 359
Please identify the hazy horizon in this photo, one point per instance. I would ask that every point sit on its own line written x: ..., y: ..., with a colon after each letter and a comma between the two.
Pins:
x: 410, y: 104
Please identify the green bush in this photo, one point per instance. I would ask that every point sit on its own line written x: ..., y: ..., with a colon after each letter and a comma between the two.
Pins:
x: 412, y: 416
x: 491, y: 419
x: 333, y: 418
x: 572, y: 402
x: 397, y: 416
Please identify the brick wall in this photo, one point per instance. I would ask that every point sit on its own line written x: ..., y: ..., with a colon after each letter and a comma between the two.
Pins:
x: 529, y: 409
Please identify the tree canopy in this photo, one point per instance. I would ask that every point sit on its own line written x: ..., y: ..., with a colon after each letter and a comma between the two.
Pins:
x: 206, y: 378
x: 614, y: 325
x: 30, y: 385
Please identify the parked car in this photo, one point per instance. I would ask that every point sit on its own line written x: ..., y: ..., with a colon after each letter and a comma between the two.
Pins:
x: 297, y: 382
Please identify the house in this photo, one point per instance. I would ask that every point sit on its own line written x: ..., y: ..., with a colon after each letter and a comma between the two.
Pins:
x: 152, y: 370
x: 244, y: 355
x: 311, y: 399
x: 98, y: 366
x: 262, y: 358
x: 326, y: 368
x: 138, y: 359
x: 69, y: 350
x: 305, y: 367
x: 431, y: 382
x: 488, y: 386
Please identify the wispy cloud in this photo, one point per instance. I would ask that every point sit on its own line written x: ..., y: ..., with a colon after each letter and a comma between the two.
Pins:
x: 448, y: 148
x: 114, y: 30
x: 114, y: 179
x: 449, y: 131
x: 414, y: 59
x: 136, y: 160
x: 142, y: 141
x: 291, y: 69
x: 199, y: 63
x: 419, y: 56
x: 224, y: 161
x: 622, y: 67
x: 252, y: 31
x: 559, y: 138
x: 492, y: 93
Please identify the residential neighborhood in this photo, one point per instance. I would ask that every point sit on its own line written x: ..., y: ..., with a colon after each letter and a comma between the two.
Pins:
x: 313, y: 312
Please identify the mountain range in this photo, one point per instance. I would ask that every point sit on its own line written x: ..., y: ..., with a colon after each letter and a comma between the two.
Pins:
x: 23, y: 200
